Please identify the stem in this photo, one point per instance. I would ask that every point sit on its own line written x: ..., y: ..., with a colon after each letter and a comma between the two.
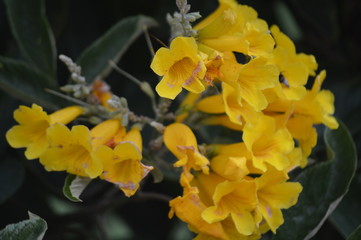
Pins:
x: 136, y: 81
x: 147, y: 39
x: 71, y: 99
x: 124, y: 73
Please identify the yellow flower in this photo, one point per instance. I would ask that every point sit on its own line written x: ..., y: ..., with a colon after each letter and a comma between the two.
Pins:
x: 274, y: 194
x: 232, y: 199
x: 189, y: 208
x: 250, y: 79
x: 235, y: 27
x: 122, y: 165
x: 316, y: 104
x: 73, y: 150
x: 238, y: 110
x: 230, y: 167
x: 268, y: 144
x: 180, y: 140
x: 33, y: 123
x: 180, y: 66
x: 294, y: 68
x: 237, y: 150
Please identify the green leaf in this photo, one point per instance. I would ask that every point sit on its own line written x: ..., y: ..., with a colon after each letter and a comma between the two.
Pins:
x: 356, y: 235
x: 346, y: 217
x: 11, y: 177
x: 32, y: 33
x: 94, y: 61
x: 32, y: 229
x: 26, y: 83
x: 74, y: 186
x: 324, y: 186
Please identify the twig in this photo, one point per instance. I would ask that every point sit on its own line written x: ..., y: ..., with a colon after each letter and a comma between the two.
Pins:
x: 71, y: 99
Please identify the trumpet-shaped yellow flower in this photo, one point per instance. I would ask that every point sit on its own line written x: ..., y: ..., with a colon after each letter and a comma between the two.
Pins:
x: 294, y: 68
x: 316, y: 104
x: 122, y: 165
x: 180, y: 66
x: 235, y: 27
x: 189, y: 209
x: 228, y: 19
x: 250, y: 79
x: 232, y: 199
x: 230, y: 167
x: 268, y: 144
x: 274, y: 194
x: 71, y: 151
x: 33, y: 123
x: 180, y: 140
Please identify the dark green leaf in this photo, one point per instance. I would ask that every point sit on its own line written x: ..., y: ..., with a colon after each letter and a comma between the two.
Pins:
x: 8, y: 104
x: 111, y: 46
x: 356, y: 235
x: 32, y: 33
x: 324, y: 186
x: 32, y: 229
x: 11, y: 177
x: 26, y: 83
x: 74, y: 186
x: 346, y: 217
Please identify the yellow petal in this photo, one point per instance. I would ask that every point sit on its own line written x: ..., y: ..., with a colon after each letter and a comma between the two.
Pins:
x: 35, y: 149
x: 135, y: 137
x: 26, y: 116
x: 231, y: 168
x: 178, y: 134
x: 213, y: 214
x: 244, y: 222
x: 167, y: 90
x: 104, y: 131
x: 189, y: 208
x: 213, y: 104
x: 66, y: 115
x: 273, y: 216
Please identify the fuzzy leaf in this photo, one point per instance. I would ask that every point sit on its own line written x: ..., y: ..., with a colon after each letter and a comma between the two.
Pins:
x: 32, y: 229
x: 74, y: 186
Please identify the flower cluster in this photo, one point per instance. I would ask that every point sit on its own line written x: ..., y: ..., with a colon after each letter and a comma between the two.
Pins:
x: 247, y: 77
x: 241, y: 75
x: 107, y: 150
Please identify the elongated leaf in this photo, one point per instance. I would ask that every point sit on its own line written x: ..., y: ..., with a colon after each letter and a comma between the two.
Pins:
x: 32, y: 33
x: 26, y: 83
x: 32, y: 229
x: 324, y: 184
x: 111, y: 46
x: 346, y: 217
x: 74, y: 186
x: 356, y: 235
x: 11, y: 171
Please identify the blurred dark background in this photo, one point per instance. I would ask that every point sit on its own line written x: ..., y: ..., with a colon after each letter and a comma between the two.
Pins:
x: 328, y: 29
